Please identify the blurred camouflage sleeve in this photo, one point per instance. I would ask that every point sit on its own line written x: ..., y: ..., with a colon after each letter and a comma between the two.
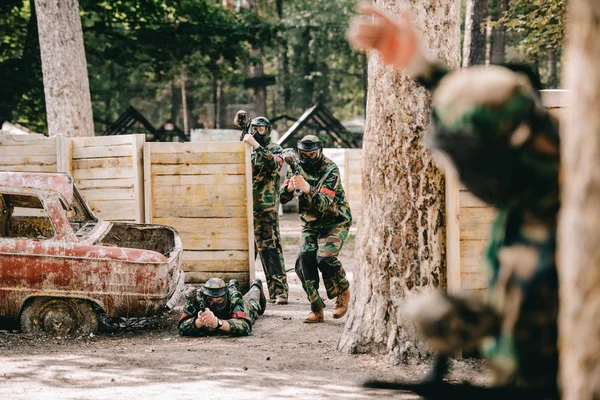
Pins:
x: 240, y: 323
x: 428, y: 72
x: 323, y: 197
x: 284, y: 195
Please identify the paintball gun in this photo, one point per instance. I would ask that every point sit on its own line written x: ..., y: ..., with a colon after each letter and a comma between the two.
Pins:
x: 241, y: 120
x: 291, y: 159
x: 198, y: 301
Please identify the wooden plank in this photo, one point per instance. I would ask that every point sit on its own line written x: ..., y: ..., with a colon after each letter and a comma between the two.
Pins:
x: 102, y: 141
x: 111, y: 210
x: 453, y: 234
x: 64, y: 154
x: 26, y: 140
x: 192, y: 241
x: 104, y: 173
x: 29, y: 168
x: 468, y: 199
x: 30, y: 159
x: 108, y: 194
x: 201, y: 277
x: 198, y: 169
x: 200, y: 194
x: 197, y: 148
x: 249, y: 211
x: 214, y: 180
x: 47, y: 149
x: 215, y: 256
x: 208, y: 227
x: 472, y: 254
x: 121, y: 183
x: 473, y: 281
x: 114, y: 162
x: 215, y: 266
x: 101, y: 152
x: 476, y: 223
x: 196, y: 211
x: 198, y: 158
x: 138, y: 176
x: 148, y: 203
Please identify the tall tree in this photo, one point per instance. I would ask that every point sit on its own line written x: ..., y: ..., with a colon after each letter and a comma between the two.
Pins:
x: 401, y: 239
x: 474, y: 41
x: 256, y: 70
x: 498, y: 39
x: 579, y: 229
x: 64, y: 67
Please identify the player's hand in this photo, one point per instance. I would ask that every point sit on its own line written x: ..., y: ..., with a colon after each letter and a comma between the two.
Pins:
x: 394, y: 38
x: 298, y: 182
x: 207, y: 318
x: 250, y: 140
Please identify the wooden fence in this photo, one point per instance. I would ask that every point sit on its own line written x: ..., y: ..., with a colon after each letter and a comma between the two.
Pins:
x: 469, y: 222
x: 204, y: 190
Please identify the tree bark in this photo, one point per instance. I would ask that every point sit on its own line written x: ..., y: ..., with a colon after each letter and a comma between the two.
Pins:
x: 474, y: 40
x: 256, y: 67
x: 579, y: 229
x: 498, y: 40
x: 401, y: 239
x: 64, y: 68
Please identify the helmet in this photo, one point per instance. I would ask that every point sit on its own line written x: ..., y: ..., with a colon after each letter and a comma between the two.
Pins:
x: 216, y: 294
x: 260, y: 137
x: 308, y: 144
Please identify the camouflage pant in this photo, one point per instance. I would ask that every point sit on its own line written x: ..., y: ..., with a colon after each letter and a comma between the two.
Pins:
x: 253, y: 298
x: 319, y: 249
x: 268, y: 248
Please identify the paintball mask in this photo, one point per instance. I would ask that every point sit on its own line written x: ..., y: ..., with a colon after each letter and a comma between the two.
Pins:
x: 216, y: 295
x: 260, y: 129
x: 310, y: 150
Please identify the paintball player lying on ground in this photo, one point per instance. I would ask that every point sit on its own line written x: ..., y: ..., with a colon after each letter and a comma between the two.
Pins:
x: 489, y: 127
x: 220, y: 309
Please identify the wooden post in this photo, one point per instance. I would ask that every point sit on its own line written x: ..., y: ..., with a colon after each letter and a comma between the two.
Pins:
x: 453, y: 261
x: 147, y: 183
x: 138, y: 176
x: 64, y: 154
x: 250, y: 208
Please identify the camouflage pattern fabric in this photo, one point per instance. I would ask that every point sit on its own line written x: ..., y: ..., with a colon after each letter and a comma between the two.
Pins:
x: 241, y: 315
x: 505, y: 148
x: 266, y: 166
x: 326, y: 219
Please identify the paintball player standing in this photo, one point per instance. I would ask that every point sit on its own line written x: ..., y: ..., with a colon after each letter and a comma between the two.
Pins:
x: 266, y: 166
x: 220, y: 309
x: 326, y: 219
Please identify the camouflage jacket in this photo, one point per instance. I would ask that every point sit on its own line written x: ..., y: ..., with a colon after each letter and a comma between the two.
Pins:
x: 239, y: 317
x: 266, y: 167
x: 518, y: 173
x: 326, y: 204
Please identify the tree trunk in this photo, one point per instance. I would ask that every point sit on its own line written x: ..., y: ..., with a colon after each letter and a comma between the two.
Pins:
x: 184, y: 105
x: 256, y: 68
x: 498, y: 40
x: 401, y: 238
x: 66, y: 85
x: 579, y: 229
x: 474, y: 40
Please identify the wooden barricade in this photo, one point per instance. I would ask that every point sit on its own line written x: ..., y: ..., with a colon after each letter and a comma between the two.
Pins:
x: 33, y: 152
x: 204, y: 190
x: 469, y: 222
x: 349, y: 161
x: 108, y: 171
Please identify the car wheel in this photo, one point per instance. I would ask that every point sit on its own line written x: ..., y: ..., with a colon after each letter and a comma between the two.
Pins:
x: 59, y: 317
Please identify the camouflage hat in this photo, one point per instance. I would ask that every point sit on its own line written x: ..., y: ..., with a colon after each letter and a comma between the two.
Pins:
x: 309, y: 143
x: 214, y: 287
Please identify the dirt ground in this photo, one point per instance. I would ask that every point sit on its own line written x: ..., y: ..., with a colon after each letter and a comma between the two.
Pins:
x: 283, y: 358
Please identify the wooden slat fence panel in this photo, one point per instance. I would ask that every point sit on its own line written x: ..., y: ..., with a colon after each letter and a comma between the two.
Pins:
x: 32, y: 152
x: 204, y: 190
x: 108, y: 171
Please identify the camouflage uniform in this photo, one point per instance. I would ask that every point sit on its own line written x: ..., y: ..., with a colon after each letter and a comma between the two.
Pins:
x: 241, y: 314
x: 504, y: 145
x: 326, y: 219
x: 266, y: 166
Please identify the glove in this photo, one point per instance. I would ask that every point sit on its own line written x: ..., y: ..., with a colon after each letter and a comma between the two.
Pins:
x: 251, y: 141
x: 298, y: 182
x: 207, y: 318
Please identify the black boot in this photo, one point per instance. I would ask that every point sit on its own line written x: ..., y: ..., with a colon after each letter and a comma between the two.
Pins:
x: 234, y: 283
x: 263, y: 300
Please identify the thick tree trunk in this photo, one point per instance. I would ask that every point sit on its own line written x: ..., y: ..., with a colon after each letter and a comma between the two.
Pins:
x: 66, y: 84
x: 498, y: 40
x: 579, y: 230
x: 401, y: 238
x: 474, y: 40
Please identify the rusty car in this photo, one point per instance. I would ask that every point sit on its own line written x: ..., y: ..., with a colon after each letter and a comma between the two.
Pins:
x: 61, y: 267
